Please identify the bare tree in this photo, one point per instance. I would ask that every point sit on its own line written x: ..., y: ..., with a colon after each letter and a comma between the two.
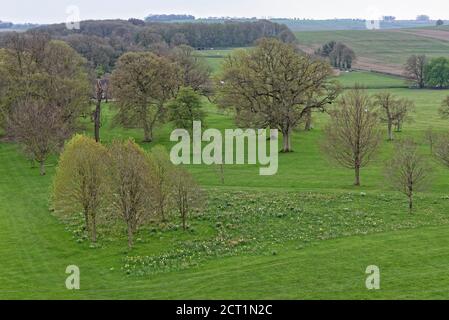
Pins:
x: 395, y: 110
x: 415, y: 69
x: 430, y: 137
x: 131, y: 185
x: 353, y: 136
x: 408, y: 171
x: 444, y: 109
x: 441, y: 149
x: 81, y: 181
x: 41, y: 129
x: 187, y: 194
x: 163, y: 175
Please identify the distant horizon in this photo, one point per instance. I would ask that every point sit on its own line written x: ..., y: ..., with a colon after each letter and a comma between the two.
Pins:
x: 212, y: 17
x: 52, y: 11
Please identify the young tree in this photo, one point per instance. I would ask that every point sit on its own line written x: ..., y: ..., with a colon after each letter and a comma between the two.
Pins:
x: 142, y: 84
x: 402, y: 110
x: 430, y: 138
x: 40, y: 128
x: 395, y: 110
x: 132, y: 185
x: 408, y: 171
x: 81, y: 181
x: 187, y: 194
x: 275, y: 86
x: 185, y: 109
x: 352, y: 136
x: 441, y: 149
x: 444, y: 109
x: 415, y: 68
x: 163, y: 175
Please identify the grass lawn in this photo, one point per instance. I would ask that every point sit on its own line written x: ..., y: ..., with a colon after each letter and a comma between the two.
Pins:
x: 305, y: 233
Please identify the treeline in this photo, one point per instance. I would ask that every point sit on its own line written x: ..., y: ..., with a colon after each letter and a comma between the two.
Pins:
x: 168, y: 17
x: 339, y: 55
x: 103, y: 42
x: 427, y: 73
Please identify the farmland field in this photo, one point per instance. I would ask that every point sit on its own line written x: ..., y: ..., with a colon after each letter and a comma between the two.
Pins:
x: 382, y: 50
x: 305, y: 233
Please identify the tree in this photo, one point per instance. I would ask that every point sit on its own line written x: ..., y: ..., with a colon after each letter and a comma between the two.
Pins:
x: 194, y: 70
x: 437, y: 73
x: 444, y: 109
x: 81, y: 181
x: 339, y: 55
x: 275, y: 86
x: 33, y: 67
x: 423, y: 18
x: 439, y: 22
x: 163, y: 175
x: 402, y: 110
x: 187, y: 194
x: 99, y: 91
x: 132, y: 186
x: 441, y: 149
x: 185, y: 109
x: 408, y: 171
x: 142, y: 84
x: 352, y: 136
x: 415, y: 68
x: 395, y: 110
x: 40, y: 128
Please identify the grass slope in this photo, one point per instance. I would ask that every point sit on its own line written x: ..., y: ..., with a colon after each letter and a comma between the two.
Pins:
x: 305, y: 233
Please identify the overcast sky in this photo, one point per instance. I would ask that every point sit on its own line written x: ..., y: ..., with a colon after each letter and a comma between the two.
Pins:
x: 52, y: 11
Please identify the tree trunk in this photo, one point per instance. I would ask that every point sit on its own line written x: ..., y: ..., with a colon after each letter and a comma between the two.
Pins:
x: 308, y: 125
x: 287, y: 145
x: 86, y: 219
x: 410, y: 204
x: 94, y: 229
x: 148, y: 132
x: 130, y: 237
x: 42, y: 168
x: 390, y: 131
x: 357, y: 176
x: 97, y: 117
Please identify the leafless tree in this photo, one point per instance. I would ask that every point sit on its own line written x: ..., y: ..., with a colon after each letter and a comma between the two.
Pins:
x: 188, y: 196
x: 163, y: 175
x: 415, y: 69
x: 131, y: 185
x: 408, y: 171
x: 353, y: 134
x: 395, y: 110
x: 40, y: 128
x: 441, y: 149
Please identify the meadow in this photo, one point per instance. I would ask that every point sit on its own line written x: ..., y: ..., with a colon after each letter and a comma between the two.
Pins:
x: 305, y: 233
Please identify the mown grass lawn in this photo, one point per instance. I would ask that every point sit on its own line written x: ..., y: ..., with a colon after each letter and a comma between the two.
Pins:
x: 305, y: 233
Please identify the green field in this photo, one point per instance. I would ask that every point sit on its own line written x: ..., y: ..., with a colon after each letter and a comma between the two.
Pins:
x: 386, y: 47
x: 305, y: 233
